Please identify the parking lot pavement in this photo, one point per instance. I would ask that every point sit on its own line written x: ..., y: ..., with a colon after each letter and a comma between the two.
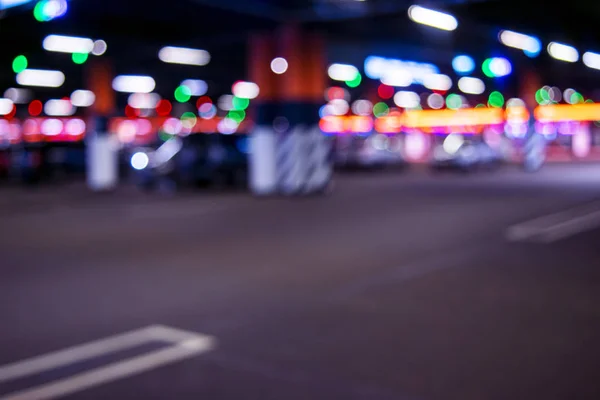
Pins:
x: 396, y: 286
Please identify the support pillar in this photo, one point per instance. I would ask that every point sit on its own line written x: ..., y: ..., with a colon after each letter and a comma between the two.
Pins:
x: 289, y: 153
x: 101, y: 147
x: 535, y: 146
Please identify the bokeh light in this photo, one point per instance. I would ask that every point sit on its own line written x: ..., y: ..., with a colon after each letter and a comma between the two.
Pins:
x: 496, y: 99
x: 362, y: 107
x: 47, y: 10
x: 19, y: 64
x: 239, y: 103
x: 207, y: 111
x: 435, y: 101
x: 385, y: 91
x: 279, y: 65
x: 79, y: 58
x: 355, y: 82
x: 380, y: 109
x: 100, y: 47
x: 183, y: 94
x: 163, y: 108
x: 35, y: 108
x: 237, y: 115
x: 454, y: 101
x: 463, y: 64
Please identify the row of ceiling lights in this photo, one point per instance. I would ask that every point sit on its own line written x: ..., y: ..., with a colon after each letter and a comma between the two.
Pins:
x: 530, y: 45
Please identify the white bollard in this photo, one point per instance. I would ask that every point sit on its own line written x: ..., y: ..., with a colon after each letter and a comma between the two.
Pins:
x: 263, y: 161
x: 102, y: 162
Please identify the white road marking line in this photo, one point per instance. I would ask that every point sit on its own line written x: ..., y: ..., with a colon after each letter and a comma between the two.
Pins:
x: 75, y: 354
x: 118, y: 370
x: 553, y: 227
x: 184, y: 344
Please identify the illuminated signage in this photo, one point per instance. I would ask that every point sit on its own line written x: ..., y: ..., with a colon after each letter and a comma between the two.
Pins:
x: 568, y: 112
x: 461, y: 117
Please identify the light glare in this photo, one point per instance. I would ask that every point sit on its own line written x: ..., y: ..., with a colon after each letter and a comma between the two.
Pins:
x: 342, y: 72
x: 18, y: 96
x: 407, y: 99
x: 68, y: 44
x: 134, y: 84
x: 6, y: 106
x: 471, y: 85
x: 100, y: 47
x: 143, y: 100
x: 433, y: 18
x: 197, y: 87
x: 139, y: 161
x: 591, y: 60
x: 279, y: 65
x: 463, y: 64
x: 183, y: 55
x: 245, y: 90
x: 563, y: 52
x: 83, y: 98
x: 529, y: 44
x: 59, y: 108
x: 438, y: 82
x: 41, y: 78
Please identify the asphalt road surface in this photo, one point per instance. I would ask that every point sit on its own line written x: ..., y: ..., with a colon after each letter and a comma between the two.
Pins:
x: 396, y: 286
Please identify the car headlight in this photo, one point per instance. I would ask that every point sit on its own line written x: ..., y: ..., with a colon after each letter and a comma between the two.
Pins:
x: 140, y: 160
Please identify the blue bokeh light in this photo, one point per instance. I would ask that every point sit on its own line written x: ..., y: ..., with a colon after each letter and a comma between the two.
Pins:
x: 463, y: 64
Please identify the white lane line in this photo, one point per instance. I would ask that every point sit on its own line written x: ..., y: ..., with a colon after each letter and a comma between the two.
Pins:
x: 118, y: 370
x: 183, y: 344
x: 553, y: 227
x: 75, y: 354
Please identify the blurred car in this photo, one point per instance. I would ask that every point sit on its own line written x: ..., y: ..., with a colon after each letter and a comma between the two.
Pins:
x: 464, y: 153
x: 193, y: 160
x: 373, y: 151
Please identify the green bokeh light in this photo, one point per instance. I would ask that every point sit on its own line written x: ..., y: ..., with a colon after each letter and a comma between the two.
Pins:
x: 577, y: 98
x: 79, y: 58
x: 485, y: 67
x: 164, y: 136
x: 589, y: 101
x: 189, y: 116
x: 183, y: 94
x: 453, y: 101
x: 538, y: 96
x: 239, y: 104
x: 237, y: 115
x: 19, y: 64
x: 380, y: 109
x: 38, y: 11
x: 480, y: 105
x: 496, y: 100
x: 356, y: 81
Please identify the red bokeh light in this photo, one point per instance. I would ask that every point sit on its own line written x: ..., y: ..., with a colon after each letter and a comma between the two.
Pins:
x: 164, y: 108
x: 385, y: 91
x: 335, y: 93
x: 131, y: 112
x: 12, y: 112
x: 203, y: 100
x: 35, y: 108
